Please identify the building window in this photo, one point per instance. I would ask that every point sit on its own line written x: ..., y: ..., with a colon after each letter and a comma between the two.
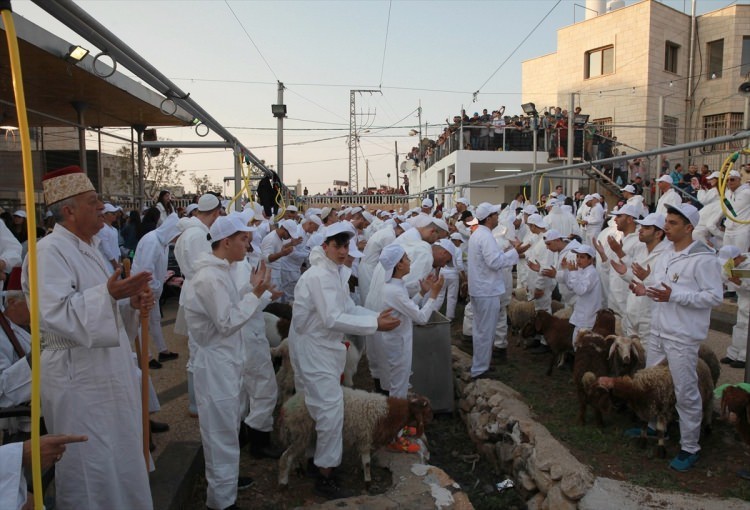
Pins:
x: 721, y: 125
x: 669, y: 133
x: 715, y: 51
x: 745, y: 67
x: 671, y: 51
x: 599, y: 62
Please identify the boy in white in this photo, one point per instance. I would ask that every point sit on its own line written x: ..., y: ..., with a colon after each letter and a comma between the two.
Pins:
x: 451, y: 273
x: 216, y: 314
x: 736, y: 352
x: 582, y: 278
x: 397, y: 343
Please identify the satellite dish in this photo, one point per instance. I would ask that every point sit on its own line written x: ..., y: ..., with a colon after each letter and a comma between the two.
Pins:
x: 744, y: 89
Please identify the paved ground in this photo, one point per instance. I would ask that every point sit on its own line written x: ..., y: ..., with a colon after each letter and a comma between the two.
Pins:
x: 170, y: 383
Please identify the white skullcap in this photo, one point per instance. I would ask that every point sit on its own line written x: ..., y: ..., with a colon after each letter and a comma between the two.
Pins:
x: 291, y: 227
x: 687, y: 211
x: 342, y: 227
x: 390, y: 257
x: 315, y: 219
x: 584, y: 248
x: 652, y: 220
x: 292, y: 208
x: 552, y: 235
x: 628, y: 210
x: 427, y: 203
x: 441, y: 224
x: 536, y: 220
x: 225, y: 226
x: 447, y: 246
x: 529, y: 209
x: 728, y: 252
x: 190, y: 208
x: 463, y: 200
x: 421, y: 221
x: 208, y: 202
x: 714, y: 175
x: 108, y: 208
x: 629, y: 188
x: 369, y: 218
x: 665, y: 178
x: 405, y: 225
x: 457, y: 237
x: 484, y: 210
x: 734, y: 173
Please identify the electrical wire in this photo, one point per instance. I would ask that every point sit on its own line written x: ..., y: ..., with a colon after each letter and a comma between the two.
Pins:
x: 251, y: 40
x: 517, y: 48
x: 385, y: 46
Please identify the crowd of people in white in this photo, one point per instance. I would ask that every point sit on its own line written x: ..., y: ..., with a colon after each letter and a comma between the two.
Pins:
x: 369, y: 273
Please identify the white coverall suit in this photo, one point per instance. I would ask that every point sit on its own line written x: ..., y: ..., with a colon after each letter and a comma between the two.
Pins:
x: 681, y: 324
x: 259, y: 389
x: 323, y: 313
x: 216, y: 315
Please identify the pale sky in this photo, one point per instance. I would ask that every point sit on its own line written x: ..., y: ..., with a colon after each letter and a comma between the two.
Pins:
x: 438, y: 52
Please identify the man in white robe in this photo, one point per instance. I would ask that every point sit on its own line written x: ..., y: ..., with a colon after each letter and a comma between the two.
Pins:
x: 89, y: 386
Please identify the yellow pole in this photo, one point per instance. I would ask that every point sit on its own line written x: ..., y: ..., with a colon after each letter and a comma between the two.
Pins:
x: 28, y: 179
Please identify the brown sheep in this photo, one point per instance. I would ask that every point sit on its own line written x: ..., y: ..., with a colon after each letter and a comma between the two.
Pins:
x: 591, y: 363
x: 706, y: 354
x: 626, y: 355
x: 650, y: 394
x: 735, y: 407
x: 557, y: 332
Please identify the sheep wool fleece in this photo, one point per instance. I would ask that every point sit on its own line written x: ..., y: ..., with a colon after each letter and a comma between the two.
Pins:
x: 216, y: 314
x: 323, y: 312
x: 679, y: 325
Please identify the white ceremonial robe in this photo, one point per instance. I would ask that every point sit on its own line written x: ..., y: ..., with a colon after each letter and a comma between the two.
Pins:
x: 89, y: 389
x: 12, y: 481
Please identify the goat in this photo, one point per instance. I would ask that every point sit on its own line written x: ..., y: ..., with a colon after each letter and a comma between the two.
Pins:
x: 371, y: 421
x: 650, y: 394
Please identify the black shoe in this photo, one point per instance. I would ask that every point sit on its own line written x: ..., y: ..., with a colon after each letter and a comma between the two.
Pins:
x: 484, y: 375
x: 500, y: 354
x: 154, y: 365
x: 329, y: 489
x: 158, y: 427
x: 737, y: 364
x: 244, y: 482
x: 726, y: 360
x: 167, y: 356
x: 233, y: 507
x: 266, y: 452
x: 533, y: 344
x: 542, y: 349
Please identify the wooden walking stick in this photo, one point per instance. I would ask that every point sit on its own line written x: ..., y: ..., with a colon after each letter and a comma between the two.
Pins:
x: 141, y: 352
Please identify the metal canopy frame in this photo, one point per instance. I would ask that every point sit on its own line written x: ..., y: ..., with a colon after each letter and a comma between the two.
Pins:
x: 90, y: 29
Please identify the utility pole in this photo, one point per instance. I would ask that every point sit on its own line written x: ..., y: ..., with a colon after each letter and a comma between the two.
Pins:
x: 279, y: 111
x: 354, y: 137
x: 367, y: 174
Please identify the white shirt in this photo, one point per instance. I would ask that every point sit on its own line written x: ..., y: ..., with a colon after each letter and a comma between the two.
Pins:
x: 486, y: 263
x: 10, y: 248
x: 110, y: 245
x: 671, y: 197
x: 587, y: 287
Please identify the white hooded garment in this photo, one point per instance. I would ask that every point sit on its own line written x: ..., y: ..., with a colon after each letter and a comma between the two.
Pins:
x: 323, y: 313
x: 369, y: 261
x: 91, y: 388
x: 707, y: 230
x: 216, y: 314
x: 152, y: 254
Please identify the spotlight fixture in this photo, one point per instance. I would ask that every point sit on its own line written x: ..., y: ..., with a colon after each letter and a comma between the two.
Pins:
x: 529, y: 109
x: 75, y: 54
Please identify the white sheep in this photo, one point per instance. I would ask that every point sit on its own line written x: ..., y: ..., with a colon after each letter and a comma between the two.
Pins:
x: 371, y: 420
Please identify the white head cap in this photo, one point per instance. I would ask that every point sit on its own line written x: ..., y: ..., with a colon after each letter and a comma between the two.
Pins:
x: 390, y: 257
x: 225, y: 226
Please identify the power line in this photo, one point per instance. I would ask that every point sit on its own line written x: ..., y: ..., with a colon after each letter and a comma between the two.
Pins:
x: 251, y: 40
x: 516, y: 48
x: 316, y: 104
x: 385, y: 46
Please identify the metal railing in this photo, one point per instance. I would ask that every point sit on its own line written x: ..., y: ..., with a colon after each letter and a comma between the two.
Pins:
x: 391, y: 201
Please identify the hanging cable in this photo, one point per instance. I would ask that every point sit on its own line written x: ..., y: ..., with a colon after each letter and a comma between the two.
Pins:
x: 385, y: 46
x: 251, y: 40
x: 516, y: 48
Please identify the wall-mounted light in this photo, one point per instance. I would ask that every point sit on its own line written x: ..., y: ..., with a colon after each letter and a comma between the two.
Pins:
x: 75, y: 54
x: 507, y: 170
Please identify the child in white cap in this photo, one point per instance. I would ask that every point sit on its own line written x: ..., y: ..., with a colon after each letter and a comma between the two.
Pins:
x: 581, y: 277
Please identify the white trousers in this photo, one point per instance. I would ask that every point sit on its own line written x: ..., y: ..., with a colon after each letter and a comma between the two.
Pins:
x: 398, y: 353
x: 156, y: 336
x: 288, y: 280
x: 683, y: 360
x: 259, y: 389
x: 450, y: 290
x: 737, y: 351
x: 486, y: 315
x: 218, y: 400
